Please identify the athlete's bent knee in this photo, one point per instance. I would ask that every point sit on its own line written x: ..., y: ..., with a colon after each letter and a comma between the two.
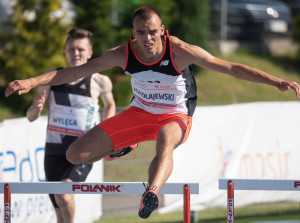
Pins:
x: 72, y: 156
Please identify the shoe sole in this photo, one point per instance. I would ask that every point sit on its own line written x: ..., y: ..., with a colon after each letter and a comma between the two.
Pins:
x: 150, y: 204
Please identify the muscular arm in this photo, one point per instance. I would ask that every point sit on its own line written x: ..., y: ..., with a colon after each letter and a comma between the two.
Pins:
x: 112, y: 58
x: 34, y: 111
x: 106, y: 96
x: 186, y: 54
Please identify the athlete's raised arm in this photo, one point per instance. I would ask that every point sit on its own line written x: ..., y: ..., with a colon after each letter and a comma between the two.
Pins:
x: 112, y: 58
x: 186, y: 54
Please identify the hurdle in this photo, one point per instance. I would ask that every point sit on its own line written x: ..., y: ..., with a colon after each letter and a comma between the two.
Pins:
x: 253, y: 184
x: 9, y: 188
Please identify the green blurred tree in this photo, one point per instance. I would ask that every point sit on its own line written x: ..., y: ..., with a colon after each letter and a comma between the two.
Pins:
x: 36, y: 45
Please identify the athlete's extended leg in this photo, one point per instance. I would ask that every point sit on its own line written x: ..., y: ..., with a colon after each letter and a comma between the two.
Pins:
x: 161, y: 166
x: 90, y: 147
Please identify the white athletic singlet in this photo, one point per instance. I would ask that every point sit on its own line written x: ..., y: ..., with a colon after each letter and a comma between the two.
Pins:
x: 72, y: 111
x: 159, y: 88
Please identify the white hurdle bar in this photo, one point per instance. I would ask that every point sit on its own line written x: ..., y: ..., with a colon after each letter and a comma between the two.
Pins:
x: 253, y: 184
x: 9, y: 188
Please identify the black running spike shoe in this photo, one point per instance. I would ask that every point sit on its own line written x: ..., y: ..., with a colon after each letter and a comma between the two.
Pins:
x: 149, y: 203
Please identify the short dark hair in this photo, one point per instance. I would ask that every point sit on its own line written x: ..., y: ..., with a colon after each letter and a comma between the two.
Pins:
x: 78, y: 33
x: 145, y: 13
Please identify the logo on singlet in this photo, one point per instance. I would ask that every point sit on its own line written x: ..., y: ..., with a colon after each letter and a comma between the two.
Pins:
x: 164, y: 63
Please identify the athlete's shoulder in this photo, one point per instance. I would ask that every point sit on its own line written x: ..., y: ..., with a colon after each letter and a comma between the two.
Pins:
x: 179, y: 47
x: 101, y: 79
x: 178, y: 43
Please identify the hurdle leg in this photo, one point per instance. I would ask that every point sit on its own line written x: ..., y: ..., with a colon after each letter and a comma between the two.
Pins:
x: 230, y: 202
x: 186, y: 204
x: 7, y: 211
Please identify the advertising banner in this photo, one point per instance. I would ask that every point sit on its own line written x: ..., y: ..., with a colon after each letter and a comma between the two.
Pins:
x: 246, y: 141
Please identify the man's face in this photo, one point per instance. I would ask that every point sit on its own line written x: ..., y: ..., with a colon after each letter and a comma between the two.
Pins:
x: 148, y: 34
x: 78, y: 51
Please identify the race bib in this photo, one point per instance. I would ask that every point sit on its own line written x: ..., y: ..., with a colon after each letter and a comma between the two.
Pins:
x: 67, y: 120
x: 155, y: 94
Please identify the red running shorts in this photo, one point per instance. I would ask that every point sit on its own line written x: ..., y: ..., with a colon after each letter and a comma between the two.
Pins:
x: 135, y: 125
